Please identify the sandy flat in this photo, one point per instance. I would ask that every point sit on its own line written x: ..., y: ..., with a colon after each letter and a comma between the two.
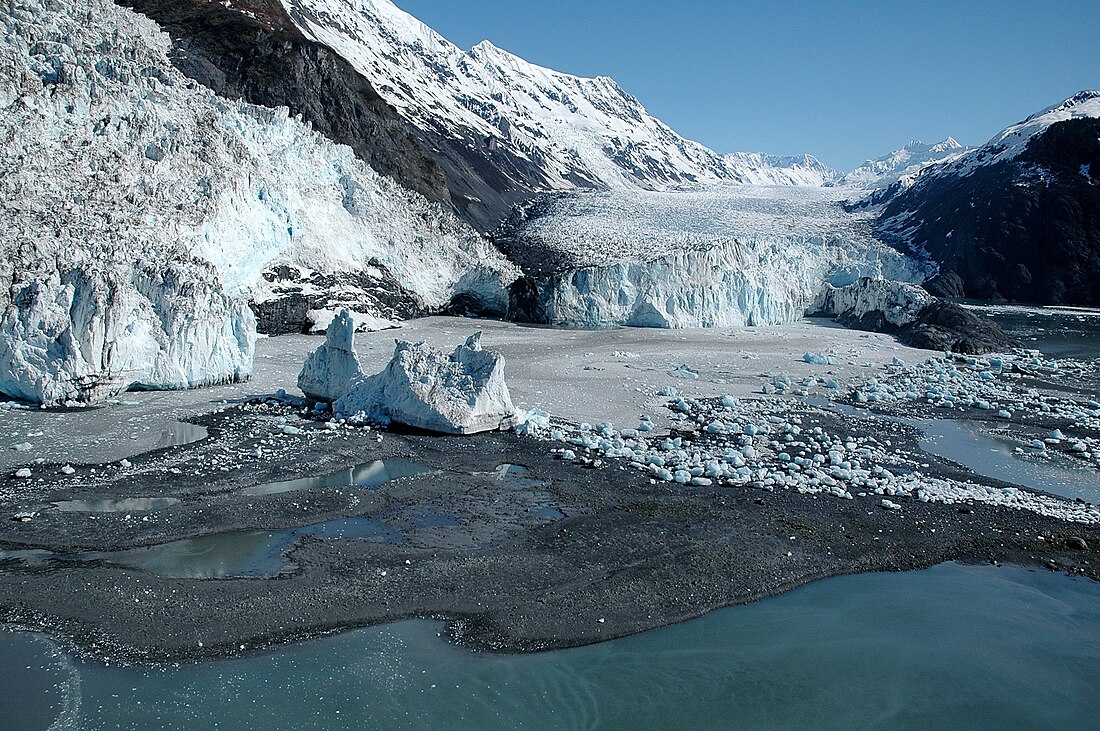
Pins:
x: 579, y: 375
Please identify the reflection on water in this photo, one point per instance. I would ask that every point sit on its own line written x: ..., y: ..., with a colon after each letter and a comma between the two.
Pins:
x: 951, y: 647
x: 241, y: 553
x: 970, y: 444
x: 371, y: 474
x: 126, y: 505
x: 179, y: 433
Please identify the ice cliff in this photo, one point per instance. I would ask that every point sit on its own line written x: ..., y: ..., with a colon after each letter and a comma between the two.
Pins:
x: 460, y: 393
x: 141, y: 212
x: 726, y: 256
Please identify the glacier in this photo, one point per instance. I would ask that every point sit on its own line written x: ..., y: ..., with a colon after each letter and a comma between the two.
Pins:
x: 143, y: 213
x: 728, y: 256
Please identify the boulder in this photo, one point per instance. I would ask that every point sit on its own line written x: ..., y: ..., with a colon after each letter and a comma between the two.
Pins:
x: 425, y: 388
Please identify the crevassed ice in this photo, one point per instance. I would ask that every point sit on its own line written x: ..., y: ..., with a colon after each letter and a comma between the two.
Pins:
x: 728, y: 256
x: 140, y: 209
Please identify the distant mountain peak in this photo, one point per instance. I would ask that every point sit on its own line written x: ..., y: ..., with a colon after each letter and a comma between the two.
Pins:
x: 908, y: 160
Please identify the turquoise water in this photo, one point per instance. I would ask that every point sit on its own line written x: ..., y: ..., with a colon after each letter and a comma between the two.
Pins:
x: 950, y: 647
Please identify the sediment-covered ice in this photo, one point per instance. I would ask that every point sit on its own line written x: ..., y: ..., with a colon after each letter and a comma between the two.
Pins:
x: 425, y: 388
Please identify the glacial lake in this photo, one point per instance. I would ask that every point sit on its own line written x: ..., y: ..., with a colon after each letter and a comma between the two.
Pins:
x: 975, y: 647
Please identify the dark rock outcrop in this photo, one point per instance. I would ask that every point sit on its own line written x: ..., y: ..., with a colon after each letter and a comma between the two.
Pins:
x: 297, y: 292
x: 1025, y: 230
x: 913, y: 316
x: 254, y: 52
x: 950, y: 327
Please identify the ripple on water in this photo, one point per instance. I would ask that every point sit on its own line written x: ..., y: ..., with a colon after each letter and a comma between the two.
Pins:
x: 950, y: 647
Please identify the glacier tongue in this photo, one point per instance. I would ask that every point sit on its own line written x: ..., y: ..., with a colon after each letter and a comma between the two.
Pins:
x: 727, y: 256
x: 141, y: 212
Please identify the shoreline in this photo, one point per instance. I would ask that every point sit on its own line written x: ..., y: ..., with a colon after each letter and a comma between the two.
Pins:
x: 635, y: 555
x: 512, y: 562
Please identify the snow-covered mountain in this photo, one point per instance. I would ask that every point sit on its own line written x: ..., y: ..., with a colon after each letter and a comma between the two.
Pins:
x: 141, y: 212
x: 1017, y: 218
x: 907, y: 161
x: 759, y: 169
x: 568, y: 129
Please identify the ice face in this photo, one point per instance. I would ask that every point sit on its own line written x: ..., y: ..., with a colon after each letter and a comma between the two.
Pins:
x: 898, y: 302
x: 727, y: 256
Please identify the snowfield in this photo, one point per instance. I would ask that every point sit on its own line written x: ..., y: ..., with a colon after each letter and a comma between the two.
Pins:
x: 141, y: 211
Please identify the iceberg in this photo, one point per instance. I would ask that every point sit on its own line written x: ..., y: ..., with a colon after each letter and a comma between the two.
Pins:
x: 73, y: 330
x: 330, y: 371
x: 425, y: 388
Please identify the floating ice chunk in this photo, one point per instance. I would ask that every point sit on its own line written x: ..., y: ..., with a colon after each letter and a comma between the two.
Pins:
x: 684, y: 372
x: 460, y: 393
x: 330, y: 371
x: 817, y: 359
x: 23, y: 473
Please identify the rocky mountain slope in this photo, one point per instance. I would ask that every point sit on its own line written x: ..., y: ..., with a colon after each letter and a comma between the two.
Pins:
x: 1016, y: 219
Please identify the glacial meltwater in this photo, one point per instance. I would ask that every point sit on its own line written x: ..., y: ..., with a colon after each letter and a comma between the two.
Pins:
x: 969, y: 443
x: 950, y: 647
x: 371, y: 474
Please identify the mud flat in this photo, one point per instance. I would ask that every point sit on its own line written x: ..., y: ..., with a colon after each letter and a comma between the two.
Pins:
x: 515, y: 544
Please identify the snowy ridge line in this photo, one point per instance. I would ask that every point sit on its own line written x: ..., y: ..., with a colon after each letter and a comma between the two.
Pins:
x: 574, y: 130
x: 903, y: 164
x: 1011, y: 142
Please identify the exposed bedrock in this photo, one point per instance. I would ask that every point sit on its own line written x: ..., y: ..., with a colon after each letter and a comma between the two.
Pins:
x: 917, y: 318
x: 1026, y: 229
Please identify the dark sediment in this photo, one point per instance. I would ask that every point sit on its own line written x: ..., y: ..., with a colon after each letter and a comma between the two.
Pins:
x: 563, y: 556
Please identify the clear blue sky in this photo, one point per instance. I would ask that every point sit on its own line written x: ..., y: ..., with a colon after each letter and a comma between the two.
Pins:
x: 841, y: 80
